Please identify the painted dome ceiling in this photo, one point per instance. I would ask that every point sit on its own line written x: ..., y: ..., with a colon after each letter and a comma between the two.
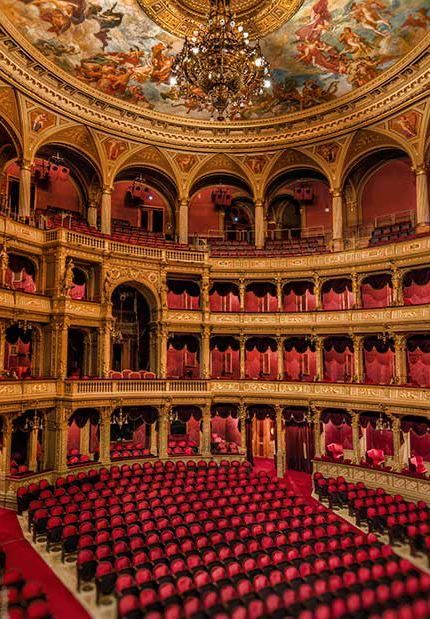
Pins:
x: 318, y: 49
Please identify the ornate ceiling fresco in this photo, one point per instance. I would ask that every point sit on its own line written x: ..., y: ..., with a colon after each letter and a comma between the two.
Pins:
x: 318, y: 50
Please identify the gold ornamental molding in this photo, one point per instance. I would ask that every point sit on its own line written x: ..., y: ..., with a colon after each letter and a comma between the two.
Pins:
x: 182, y: 17
x: 399, y: 87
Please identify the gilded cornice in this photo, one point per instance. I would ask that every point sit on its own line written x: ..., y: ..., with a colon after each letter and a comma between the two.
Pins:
x: 405, y: 83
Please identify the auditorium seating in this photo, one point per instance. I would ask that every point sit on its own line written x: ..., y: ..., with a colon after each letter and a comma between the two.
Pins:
x: 181, y: 445
x: 198, y: 539
x: 24, y: 599
x: 392, y: 232
x: 128, y: 449
x: 273, y: 248
x: 403, y: 521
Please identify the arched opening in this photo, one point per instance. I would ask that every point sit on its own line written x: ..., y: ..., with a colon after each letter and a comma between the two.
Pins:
x: 418, y: 359
x: 384, y: 205
x: 132, y: 338
x: 183, y: 294
x: 300, y: 359
x: 134, y: 432
x: 20, y: 273
x: 376, y: 437
x: 143, y: 201
x: 379, y: 360
x: 225, y: 357
x: 338, y: 359
x: 416, y: 286
x: 299, y: 439
x: 337, y: 435
x: 415, y: 448
x: 9, y: 187
x: 221, y: 210
x: 18, y: 360
x: 27, y: 447
x: 184, y: 430
x: 261, y: 358
x: 337, y: 294
x: 261, y: 297
x: 64, y: 183
x: 83, y: 437
x: 224, y: 297
x: 377, y: 291
x: 183, y: 356
x: 298, y: 296
x: 299, y: 214
x: 261, y: 436
x: 77, y: 343
x: 79, y: 288
x: 225, y: 429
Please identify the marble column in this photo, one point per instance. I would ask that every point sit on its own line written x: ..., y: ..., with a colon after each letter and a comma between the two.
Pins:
x: 319, y: 349
x: 280, y: 442
x: 84, y: 439
x: 183, y: 221
x: 356, y: 296
x: 242, y: 294
x: 205, y: 338
x: 6, y: 448
x: 337, y: 210
x: 32, y: 447
x: 104, y: 337
x: 60, y: 431
x: 317, y: 291
x: 423, y: 209
x: 358, y: 375
x: 401, y: 375
x: 279, y: 286
x: 242, y: 419
x: 106, y: 210
x: 280, y: 348
x: 259, y: 224
x: 163, y: 430
x: 355, y: 422
x: 104, y: 440
x: 162, y: 338
x: 24, y: 190
x: 153, y: 439
x: 397, y: 444
x: 397, y: 282
x: 316, y: 419
x: 205, y: 448
x: 242, y: 355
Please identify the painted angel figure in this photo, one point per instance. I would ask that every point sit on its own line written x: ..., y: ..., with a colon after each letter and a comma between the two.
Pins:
x: 368, y: 14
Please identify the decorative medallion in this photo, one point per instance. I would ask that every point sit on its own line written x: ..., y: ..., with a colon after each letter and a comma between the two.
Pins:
x: 182, y: 17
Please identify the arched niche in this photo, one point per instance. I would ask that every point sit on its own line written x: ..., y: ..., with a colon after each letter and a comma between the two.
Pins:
x: 221, y: 208
x: 144, y: 199
x: 298, y: 204
x: 383, y: 184
x: 133, y: 306
x: 65, y: 181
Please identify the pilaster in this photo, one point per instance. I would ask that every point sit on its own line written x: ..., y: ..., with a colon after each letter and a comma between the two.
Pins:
x: 280, y: 442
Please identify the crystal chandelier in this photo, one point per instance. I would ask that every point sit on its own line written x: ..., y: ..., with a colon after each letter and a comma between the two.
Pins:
x: 218, y: 67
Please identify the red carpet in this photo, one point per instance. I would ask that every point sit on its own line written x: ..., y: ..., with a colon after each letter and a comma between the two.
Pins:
x: 21, y: 555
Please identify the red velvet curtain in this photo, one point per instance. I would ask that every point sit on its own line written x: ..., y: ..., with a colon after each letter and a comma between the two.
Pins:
x: 416, y: 287
x: 300, y: 449
x: 337, y: 294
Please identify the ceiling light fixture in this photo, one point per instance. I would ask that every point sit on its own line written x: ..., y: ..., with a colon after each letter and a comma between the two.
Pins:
x: 219, y: 67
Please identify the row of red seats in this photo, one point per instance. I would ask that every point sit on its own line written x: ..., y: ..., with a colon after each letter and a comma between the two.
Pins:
x: 128, y: 449
x: 25, y: 599
x: 403, y: 521
x: 235, y: 542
